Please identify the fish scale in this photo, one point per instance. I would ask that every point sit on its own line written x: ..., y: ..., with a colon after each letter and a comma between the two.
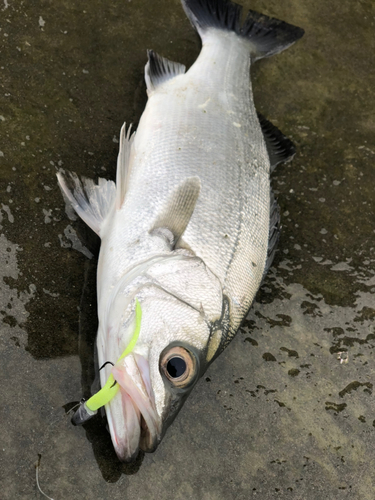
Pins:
x: 229, y: 182
x: 190, y: 228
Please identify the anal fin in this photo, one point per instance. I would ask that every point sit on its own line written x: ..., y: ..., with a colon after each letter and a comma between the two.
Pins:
x: 280, y: 149
x: 274, y: 232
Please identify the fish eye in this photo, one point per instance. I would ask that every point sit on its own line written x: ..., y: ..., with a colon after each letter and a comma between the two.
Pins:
x: 178, y: 365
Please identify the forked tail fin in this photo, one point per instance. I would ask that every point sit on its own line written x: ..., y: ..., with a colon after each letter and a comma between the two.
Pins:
x: 266, y: 36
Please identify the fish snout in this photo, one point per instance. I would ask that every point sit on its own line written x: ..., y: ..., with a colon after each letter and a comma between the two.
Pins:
x: 134, y: 421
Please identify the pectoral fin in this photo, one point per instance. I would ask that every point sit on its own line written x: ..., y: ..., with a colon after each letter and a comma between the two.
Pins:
x: 179, y: 207
x: 92, y: 202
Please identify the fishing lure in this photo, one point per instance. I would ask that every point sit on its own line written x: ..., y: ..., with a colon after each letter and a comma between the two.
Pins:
x: 87, y: 409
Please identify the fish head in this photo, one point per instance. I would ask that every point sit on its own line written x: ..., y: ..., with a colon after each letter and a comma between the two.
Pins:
x: 171, y: 353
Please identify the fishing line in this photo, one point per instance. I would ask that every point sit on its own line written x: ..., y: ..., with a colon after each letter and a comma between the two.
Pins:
x: 89, y: 408
x: 52, y: 427
x: 37, y: 466
x: 46, y: 438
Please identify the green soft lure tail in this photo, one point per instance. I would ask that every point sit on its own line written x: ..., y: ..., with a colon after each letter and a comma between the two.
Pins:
x: 90, y: 407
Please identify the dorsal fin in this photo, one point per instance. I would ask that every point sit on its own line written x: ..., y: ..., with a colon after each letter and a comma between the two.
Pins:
x: 179, y: 207
x: 124, y: 163
x: 159, y: 69
x: 280, y: 149
x: 92, y: 202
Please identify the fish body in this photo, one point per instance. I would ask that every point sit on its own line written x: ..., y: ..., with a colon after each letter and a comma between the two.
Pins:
x: 190, y: 227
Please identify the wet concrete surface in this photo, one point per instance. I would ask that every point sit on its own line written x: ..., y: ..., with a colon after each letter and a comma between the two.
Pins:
x: 287, y: 411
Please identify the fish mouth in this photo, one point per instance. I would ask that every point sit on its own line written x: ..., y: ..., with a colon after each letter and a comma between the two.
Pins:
x: 133, y: 421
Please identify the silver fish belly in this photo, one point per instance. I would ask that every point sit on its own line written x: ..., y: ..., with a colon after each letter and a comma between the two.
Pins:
x: 190, y: 227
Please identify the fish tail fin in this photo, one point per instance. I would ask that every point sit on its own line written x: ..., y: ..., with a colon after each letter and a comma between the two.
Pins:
x: 266, y: 36
x: 92, y: 202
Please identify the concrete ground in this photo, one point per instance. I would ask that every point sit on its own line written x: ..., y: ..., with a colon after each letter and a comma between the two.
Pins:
x: 287, y: 411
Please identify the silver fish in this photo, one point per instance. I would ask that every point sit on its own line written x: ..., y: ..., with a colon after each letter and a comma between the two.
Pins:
x: 190, y: 227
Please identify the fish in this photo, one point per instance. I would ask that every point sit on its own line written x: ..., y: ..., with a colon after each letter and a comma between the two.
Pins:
x: 190, y: 226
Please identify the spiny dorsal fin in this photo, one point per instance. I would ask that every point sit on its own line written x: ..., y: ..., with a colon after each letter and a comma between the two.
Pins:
x: 124, y: 163
x: 159, y: 69
x: 92, y: 202
x: 179, y: 207
x: 280, y: 149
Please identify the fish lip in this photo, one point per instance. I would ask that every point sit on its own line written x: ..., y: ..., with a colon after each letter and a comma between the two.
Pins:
x: 125, y: 458
x: 143, y: 446
x: 133, y: 420
x: 147, y: 442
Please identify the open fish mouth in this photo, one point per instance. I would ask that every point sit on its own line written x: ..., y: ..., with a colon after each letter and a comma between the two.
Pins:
x: 133, y: 421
